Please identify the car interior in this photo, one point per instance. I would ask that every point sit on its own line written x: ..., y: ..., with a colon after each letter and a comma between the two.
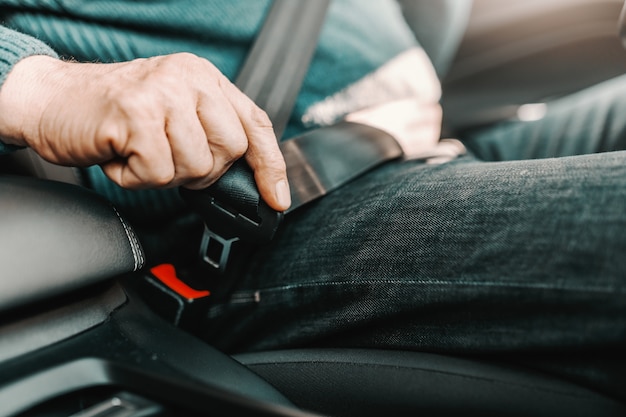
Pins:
x: 89, y: 329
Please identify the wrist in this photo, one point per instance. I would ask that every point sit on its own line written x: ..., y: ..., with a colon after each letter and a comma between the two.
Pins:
x: 24, y: 96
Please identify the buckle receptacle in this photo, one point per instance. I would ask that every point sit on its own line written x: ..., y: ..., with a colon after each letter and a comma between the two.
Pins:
x: 233, y: 211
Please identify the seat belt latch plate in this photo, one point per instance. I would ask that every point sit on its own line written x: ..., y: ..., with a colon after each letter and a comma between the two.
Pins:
x: 215, y: 250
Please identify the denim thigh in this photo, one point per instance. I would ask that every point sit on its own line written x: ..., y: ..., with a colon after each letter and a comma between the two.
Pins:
x: 589, y: 121
x: 464, y: 257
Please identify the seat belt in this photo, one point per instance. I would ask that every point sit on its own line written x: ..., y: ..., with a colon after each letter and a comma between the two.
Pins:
x: 318, y: 161
x: 280, y: 56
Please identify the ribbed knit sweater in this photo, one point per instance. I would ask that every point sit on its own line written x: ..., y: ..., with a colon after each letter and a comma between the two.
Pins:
x: 358, y: 38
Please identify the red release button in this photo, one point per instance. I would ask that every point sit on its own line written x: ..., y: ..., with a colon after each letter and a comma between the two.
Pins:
x: 166, y: 273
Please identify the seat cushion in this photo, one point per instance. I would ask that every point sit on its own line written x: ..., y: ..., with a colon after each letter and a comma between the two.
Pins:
x: 352, y: 382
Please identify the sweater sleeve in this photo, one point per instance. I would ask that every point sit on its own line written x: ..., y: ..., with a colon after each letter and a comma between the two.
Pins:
x: 15, y: 46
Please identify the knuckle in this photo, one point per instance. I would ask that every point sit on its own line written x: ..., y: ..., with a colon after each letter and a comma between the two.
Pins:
x: 128, y: 183
x: 260, y: 117
x: 185, y: 61
x: 220, y: 81
x: 182, y: 63
x: 202, y: 169
x: 277, y: 164
x: 162, y: 177
x: 272, y: 163
x: 110, y: 132
x: 238, y: 146
x: 185, y: 56
x: 173, y: 62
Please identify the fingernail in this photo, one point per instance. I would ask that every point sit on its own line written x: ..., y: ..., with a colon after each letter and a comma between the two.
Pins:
x: 283, y: 195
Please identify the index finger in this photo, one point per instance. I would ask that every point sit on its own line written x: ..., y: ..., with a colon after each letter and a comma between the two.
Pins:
x: 263, y: 154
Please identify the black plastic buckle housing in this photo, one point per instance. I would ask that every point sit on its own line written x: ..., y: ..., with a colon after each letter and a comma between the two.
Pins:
x: 232, y: 210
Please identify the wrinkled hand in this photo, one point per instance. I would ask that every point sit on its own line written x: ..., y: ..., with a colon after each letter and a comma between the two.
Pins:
x: 149, y: 123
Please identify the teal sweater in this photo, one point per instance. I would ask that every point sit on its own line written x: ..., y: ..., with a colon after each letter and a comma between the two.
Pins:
x: 359, y: 36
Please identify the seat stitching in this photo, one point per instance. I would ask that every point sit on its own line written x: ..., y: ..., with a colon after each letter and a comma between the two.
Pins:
x: 133, y: 241
x: 537, y: 285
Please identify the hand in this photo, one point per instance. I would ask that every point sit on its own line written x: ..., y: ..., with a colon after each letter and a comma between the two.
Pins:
x: 161, y: 122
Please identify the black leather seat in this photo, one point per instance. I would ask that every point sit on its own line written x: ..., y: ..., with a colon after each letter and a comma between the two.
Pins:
x: 353, y: 382
x: 88, y: 243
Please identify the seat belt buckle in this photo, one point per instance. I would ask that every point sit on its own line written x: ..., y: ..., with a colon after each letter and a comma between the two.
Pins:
x: 233, y: 211
x: 215, y: 250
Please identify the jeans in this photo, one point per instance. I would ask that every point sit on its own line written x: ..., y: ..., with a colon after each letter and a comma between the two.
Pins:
x: 517, y: 251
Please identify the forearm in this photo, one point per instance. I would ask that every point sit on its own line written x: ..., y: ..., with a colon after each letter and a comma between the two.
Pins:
x: 14, y: 47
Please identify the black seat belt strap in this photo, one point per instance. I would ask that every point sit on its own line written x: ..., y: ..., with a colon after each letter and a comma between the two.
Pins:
x: 279, y: 59
x: 324, y: 159
x: 317, y: 161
